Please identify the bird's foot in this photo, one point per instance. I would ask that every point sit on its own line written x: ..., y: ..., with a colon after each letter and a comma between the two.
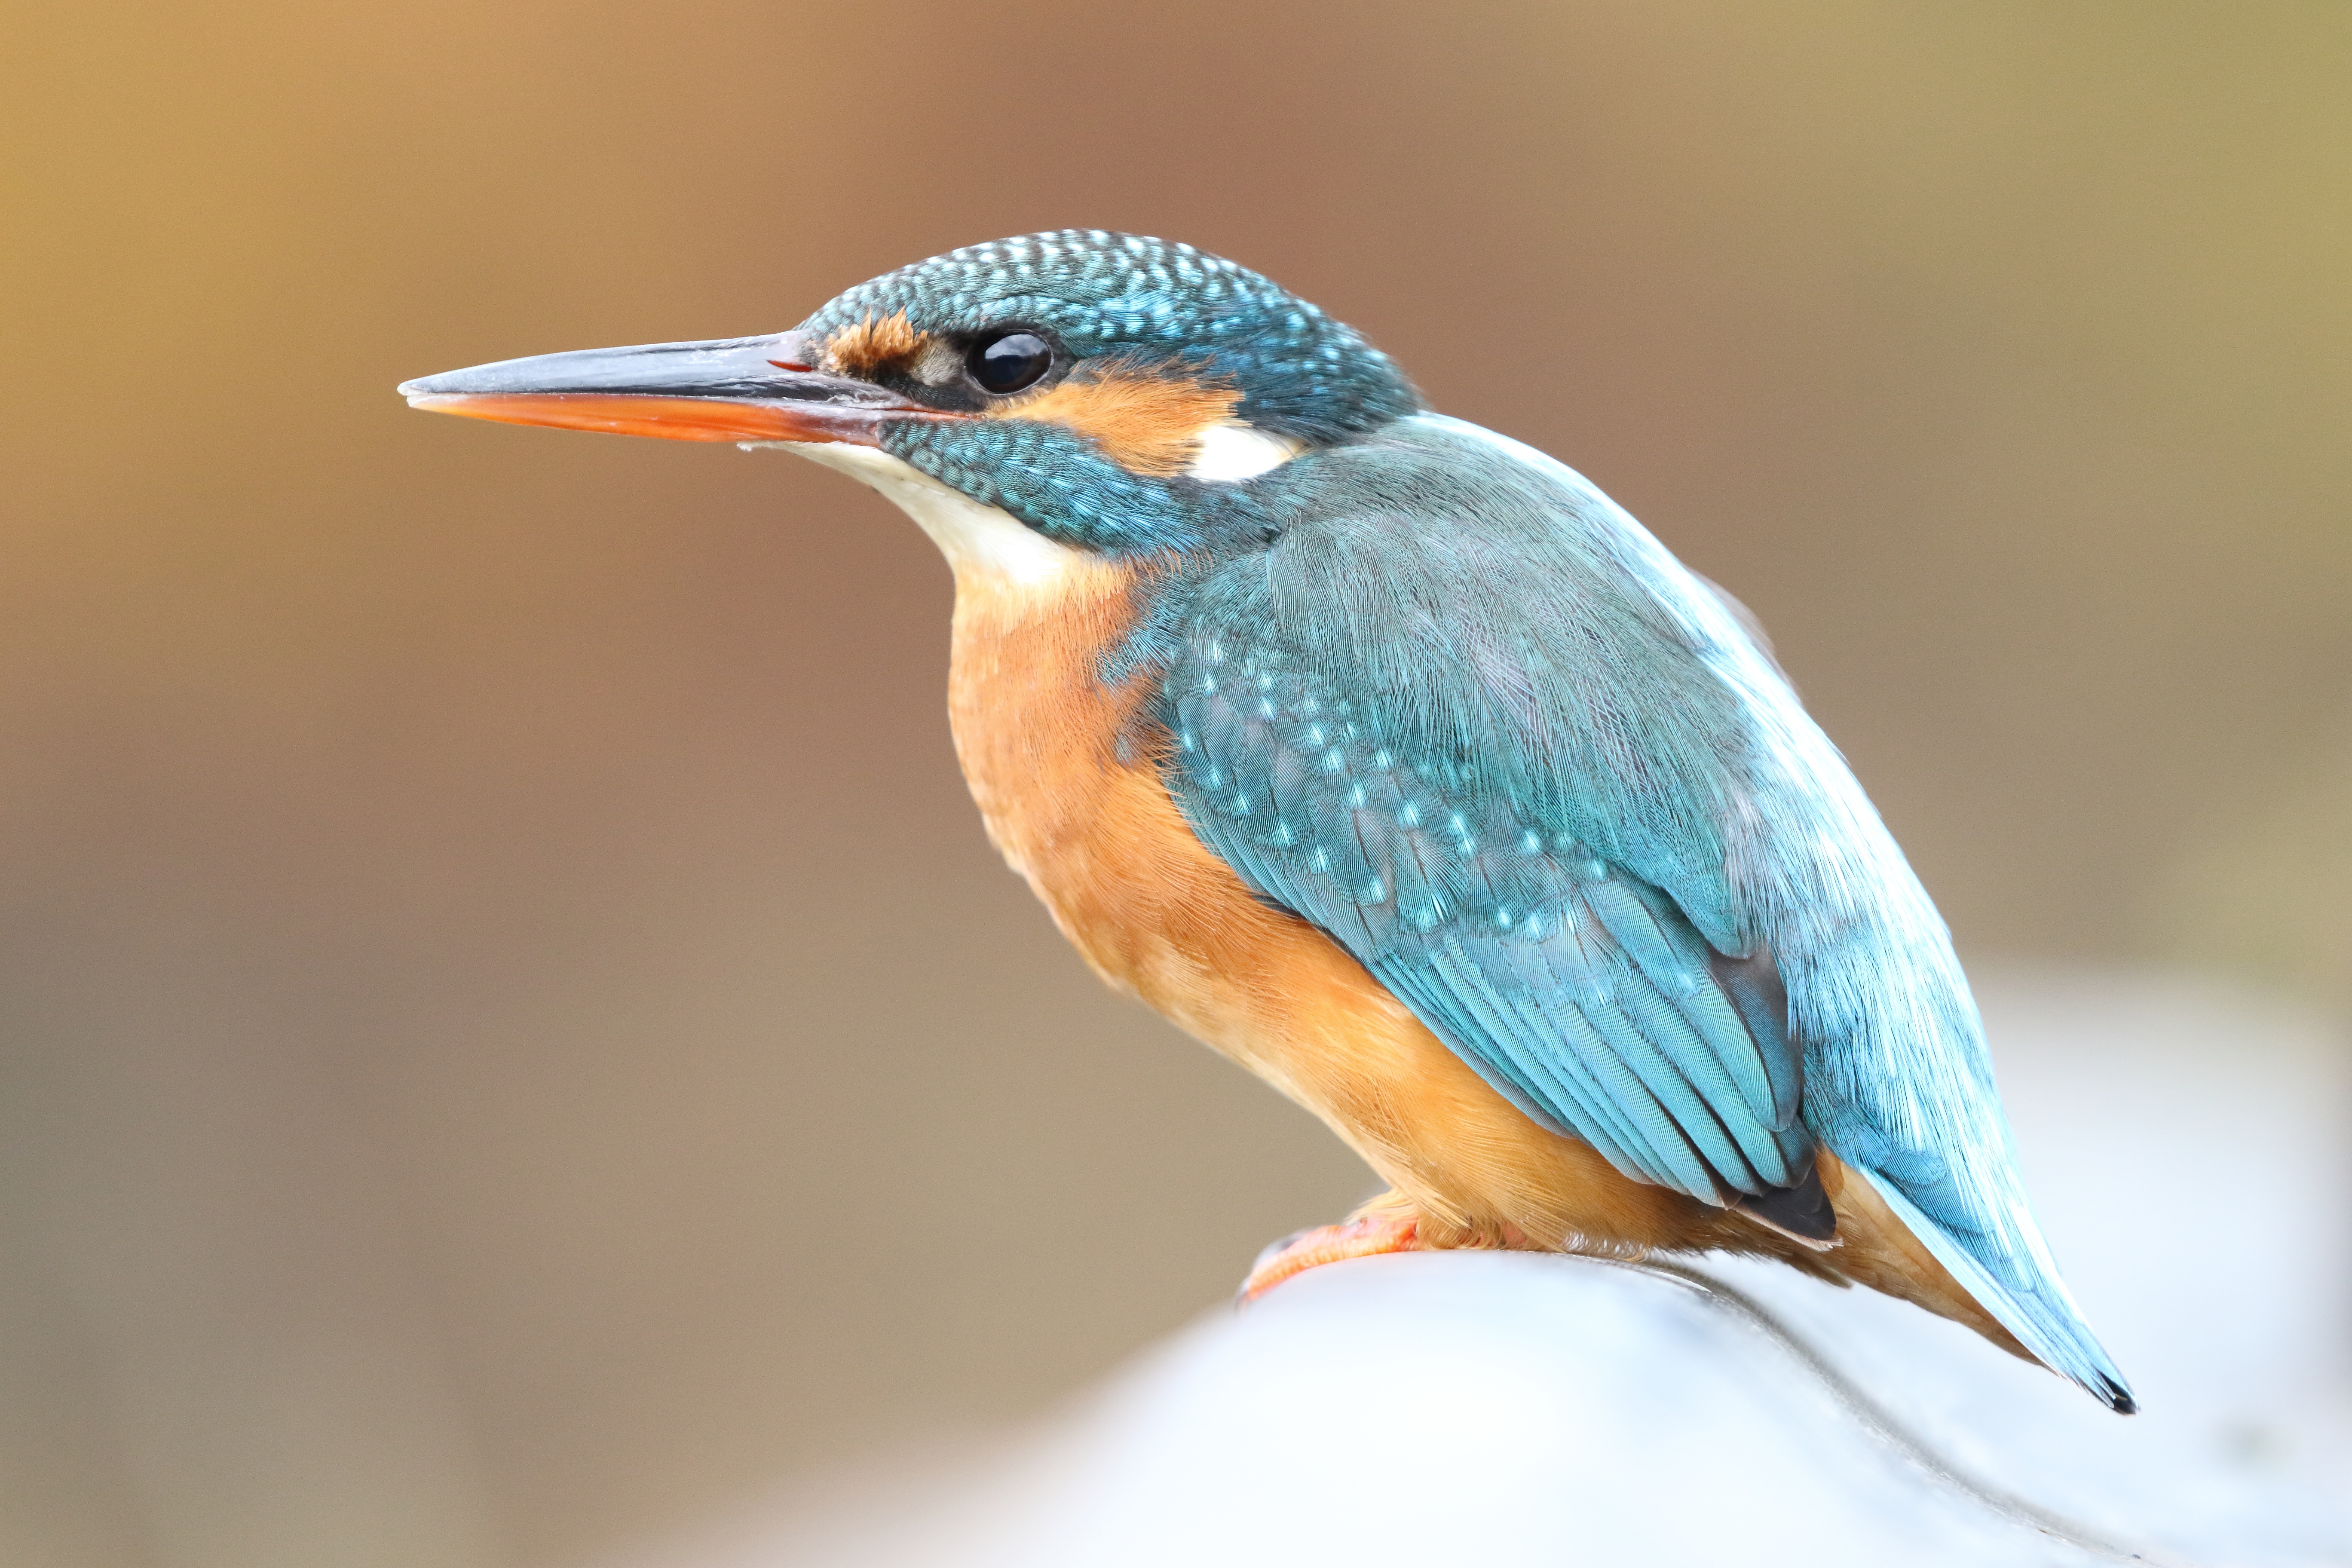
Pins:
x: 1362, y: 1237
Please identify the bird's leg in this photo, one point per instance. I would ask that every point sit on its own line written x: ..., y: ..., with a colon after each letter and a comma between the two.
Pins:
x: 1388, y: 1224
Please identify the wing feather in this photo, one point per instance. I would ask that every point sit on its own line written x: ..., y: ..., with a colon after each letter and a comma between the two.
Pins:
x: 1585, y: 995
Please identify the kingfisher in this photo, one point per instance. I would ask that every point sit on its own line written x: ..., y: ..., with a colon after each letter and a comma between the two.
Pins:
x: 1393, y: 760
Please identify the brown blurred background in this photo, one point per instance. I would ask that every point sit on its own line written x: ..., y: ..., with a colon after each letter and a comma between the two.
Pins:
x: 510, y: 1037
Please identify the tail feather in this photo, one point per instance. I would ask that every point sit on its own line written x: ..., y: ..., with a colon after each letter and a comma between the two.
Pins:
x: 2044, y: 1319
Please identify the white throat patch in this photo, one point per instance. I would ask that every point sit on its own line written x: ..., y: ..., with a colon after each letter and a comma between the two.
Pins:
x: 982, y: 543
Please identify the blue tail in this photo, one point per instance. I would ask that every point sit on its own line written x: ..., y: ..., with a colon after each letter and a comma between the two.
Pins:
x: 2044, y: 1317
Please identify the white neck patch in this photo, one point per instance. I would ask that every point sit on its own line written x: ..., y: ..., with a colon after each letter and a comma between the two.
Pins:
x: 983, y: 543
x: 1231, y: 450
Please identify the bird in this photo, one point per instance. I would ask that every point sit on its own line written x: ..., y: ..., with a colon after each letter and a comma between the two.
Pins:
x: 1391, y: 758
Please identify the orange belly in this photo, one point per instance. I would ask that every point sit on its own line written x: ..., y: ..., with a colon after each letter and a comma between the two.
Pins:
x: 1067, y: 779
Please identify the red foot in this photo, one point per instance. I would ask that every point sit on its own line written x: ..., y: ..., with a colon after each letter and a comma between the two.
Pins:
x: 1360, y: 1237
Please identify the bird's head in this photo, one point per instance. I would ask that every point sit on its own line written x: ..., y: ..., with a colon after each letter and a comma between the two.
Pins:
x: 1113, y: 394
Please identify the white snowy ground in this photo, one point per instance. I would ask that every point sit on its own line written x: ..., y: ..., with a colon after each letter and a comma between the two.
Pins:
x: 2191, y: 1149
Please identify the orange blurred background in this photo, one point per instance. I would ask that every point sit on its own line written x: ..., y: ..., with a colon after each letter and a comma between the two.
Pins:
x: 511, y: 1035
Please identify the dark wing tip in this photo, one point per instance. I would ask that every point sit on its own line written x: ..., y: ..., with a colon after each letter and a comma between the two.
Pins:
x: 2115, y: 1397
x: 1803, y: 1211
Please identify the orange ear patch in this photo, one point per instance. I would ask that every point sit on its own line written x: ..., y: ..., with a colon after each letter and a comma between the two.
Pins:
x: 873, y: 343
x: 1147, y: 424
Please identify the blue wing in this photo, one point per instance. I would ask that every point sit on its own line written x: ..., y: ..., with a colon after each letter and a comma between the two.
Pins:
x: 1465, y: 715
x: 1583, y: 993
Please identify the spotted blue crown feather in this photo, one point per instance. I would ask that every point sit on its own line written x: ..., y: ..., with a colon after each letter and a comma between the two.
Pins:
x: 1123, y: 295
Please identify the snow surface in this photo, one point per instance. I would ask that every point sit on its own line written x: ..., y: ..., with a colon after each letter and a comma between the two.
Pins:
x: 2190, y: 1147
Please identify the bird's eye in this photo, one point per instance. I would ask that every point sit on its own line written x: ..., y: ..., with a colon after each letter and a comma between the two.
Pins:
x: 1011, y: 362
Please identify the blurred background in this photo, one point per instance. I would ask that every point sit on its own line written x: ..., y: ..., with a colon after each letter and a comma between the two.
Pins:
x: 511, y: 1035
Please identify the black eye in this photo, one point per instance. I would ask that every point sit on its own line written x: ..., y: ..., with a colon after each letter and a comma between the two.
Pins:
x: 1009, y: 363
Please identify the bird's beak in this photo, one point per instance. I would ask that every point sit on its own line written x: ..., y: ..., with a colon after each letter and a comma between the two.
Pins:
x: 735, y: 389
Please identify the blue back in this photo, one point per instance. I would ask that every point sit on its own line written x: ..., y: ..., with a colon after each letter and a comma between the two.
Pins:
x: 1467, y: 716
